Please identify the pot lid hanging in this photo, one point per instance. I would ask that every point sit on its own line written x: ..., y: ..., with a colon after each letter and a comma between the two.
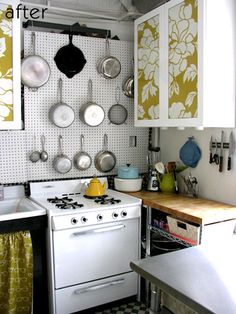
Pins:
x: 70, y: 59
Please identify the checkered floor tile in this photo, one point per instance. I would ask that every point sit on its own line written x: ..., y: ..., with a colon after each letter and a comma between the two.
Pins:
x: 129, y: 308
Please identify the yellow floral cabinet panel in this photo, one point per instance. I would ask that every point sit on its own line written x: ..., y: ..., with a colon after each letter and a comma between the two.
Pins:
x: 10, y: 93
x: 183, y: 60
x: 147, y: 67
x: 185, y: 65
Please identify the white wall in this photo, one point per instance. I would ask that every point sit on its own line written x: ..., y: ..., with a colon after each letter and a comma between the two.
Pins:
x: 212, y: 183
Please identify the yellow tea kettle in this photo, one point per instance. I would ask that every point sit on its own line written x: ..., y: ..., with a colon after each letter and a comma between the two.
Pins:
x: 95, y: 188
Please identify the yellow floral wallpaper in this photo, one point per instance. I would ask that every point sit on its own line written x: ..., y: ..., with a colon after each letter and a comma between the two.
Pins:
x: 6, y: 79
x: 148, y: 69
x: 183, y: 60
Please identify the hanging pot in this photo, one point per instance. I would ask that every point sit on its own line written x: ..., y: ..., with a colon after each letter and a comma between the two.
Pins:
x: 105, y: 160
x: 35, y: 71
x: 91, y: 113
x: 61, y: 114
x: 128, y: 85
x: 82, y: 160
x: 61, y: 162
x: 70, y: 59
x: 109, y: 67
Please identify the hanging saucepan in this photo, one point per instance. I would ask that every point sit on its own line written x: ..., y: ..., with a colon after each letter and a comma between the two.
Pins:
x: 62, y: 163
x: 82, y: 160
x: 61, y: 114
x: 108, y: 67
x: 91, y: 113
x: 70, y: 59
x: 117, y: 114
x: 35, y: 71
x: 105, y: 160
x: 128, y: 84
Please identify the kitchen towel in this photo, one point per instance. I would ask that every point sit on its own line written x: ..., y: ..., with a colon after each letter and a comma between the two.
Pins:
x: 16, y: 273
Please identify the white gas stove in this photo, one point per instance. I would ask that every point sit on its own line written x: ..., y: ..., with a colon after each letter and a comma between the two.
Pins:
x: 90, y: 244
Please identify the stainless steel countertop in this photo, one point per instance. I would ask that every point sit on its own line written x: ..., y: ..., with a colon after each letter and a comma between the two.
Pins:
x: 202, y: 277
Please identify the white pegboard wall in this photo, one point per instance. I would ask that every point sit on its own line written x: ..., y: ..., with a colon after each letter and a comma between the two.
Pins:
x: 13, y: 157
x: 37, y: 105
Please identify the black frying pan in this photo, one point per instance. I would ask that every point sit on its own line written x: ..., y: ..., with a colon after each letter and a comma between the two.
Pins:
x: 70, y: 59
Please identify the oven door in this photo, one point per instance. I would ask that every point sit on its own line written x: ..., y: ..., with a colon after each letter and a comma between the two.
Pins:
x: 90, y: 253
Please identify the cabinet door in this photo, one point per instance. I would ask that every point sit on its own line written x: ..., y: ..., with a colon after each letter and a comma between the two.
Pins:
x: 148, y: 68
x: 182, y: 23
x: 10, y: 86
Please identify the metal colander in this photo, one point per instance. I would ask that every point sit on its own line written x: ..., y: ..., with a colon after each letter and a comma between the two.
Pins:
x: 117, y: 114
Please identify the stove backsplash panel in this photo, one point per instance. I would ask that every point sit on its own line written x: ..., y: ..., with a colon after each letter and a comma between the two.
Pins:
x: 16, y: 146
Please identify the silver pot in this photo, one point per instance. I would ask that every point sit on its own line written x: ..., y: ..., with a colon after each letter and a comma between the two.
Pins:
x: 108, y: 67
x: 128, y: 87
x: 128, y: 84
x: 91, y: 113
x: 82, y: 160
x: 61, y: 162
x: 105, y: 160
x: 35, y: 71
x: 61, y: 114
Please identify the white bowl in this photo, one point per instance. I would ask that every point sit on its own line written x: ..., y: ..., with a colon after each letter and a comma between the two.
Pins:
x: 128, y: 185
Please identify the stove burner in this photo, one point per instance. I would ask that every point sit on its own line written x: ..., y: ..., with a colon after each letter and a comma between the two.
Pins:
x: 64, y: 203
x: 69, y: 205
x: 57, y: 200
x: 103, y: 200
x: 95, y: 197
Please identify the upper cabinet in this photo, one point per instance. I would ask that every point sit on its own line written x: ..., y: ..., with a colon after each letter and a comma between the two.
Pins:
x: 185, y: 65
x: 10, y: 82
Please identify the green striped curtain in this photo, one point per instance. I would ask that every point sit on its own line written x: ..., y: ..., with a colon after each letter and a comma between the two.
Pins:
x: 16, y: 273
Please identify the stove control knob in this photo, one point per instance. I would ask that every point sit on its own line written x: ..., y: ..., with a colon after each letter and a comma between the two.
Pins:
x: 84, y: 219
x: 99, y: 217
x: 114, y: 215
x: 123, y: 213
x: 74, y: 221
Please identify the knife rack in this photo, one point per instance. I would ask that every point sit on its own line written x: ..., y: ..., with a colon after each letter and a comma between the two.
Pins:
x: 225, y: 145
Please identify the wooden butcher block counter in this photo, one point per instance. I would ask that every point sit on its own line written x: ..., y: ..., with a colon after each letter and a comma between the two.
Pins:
x: 196, y: 210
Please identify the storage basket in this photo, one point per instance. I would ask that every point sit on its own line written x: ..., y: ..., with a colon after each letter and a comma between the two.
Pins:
x: 186, y: 231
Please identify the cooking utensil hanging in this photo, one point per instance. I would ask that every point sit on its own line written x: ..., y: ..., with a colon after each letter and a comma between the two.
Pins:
x: 70, y: 59
x: 128, y: 84
x: 35, y: 155
x: 117, y: 114
x: 105, y: 160
x: 35, y: 70
x: 62, y: 163
x: 82, y: 160
x: 43, y: 154
x: 61, y: 114
x: 108, y: 67
x: 91, y: 113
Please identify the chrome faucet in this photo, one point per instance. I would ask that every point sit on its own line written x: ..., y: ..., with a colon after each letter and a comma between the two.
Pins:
x: 1, y: 192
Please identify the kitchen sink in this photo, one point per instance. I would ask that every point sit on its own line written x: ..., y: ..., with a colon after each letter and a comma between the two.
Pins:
x: 16, y: 206
x: 19, y: 208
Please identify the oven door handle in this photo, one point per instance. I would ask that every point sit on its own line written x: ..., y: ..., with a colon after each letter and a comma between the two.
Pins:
x: 98, y: 230
x: 101, y: 286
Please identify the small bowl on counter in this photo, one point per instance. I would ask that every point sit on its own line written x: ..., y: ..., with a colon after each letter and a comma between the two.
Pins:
x: 128, y: 185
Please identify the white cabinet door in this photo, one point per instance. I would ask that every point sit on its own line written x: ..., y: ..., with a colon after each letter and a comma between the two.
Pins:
x: 188, y: 80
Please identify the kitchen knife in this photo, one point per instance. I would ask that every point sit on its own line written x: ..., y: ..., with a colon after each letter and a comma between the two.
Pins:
x: 210, y: 148
x: 221, y: 152
x: 231, y: 144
